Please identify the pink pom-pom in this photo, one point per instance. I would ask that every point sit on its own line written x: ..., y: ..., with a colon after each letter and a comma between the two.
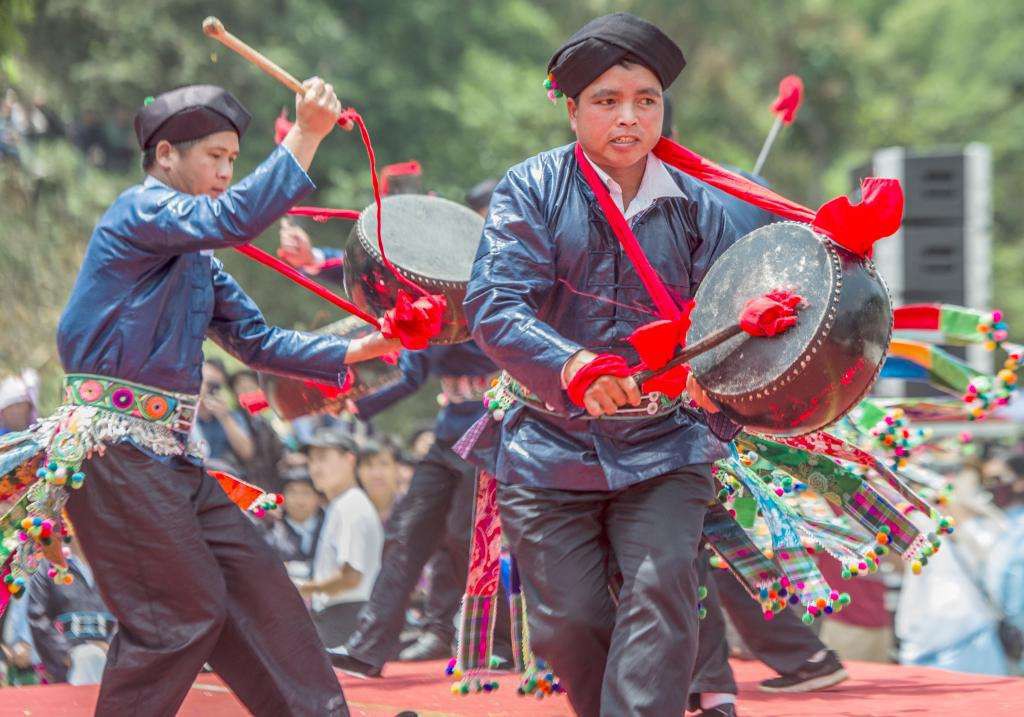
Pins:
x: 997, y: 316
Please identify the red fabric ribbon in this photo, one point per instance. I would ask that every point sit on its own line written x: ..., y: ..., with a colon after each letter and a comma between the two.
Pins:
x: 656, y: 344
x: 663, y: 302
x: 858, y: 226
x: 791, y: 94
x: 602, y: 365
x: 301, y: 279
x: 855, y: 227
x: 414, y: 323
x: 771, y: 314
x: 322, y: 214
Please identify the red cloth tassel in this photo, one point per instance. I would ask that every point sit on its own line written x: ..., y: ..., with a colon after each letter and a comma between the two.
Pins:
x: 771, y: 314
x: 858, y: 226
x: 791, y: 94
x: 414, y: 323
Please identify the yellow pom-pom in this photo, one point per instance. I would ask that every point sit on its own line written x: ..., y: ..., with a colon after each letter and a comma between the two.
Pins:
x: 915, y: 567
x: 990, y: 345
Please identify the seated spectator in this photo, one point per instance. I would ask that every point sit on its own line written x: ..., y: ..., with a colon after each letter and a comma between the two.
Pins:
x: 349, y: 551
x: 222, y: 433
x: 377, y: 471
x: 261, y: 469
x: 71, y: 626
x: 296, y: 534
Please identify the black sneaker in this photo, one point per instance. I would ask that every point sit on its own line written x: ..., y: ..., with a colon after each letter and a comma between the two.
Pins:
x: 428, y: 647
x: 813, y: 675
x: 350, y: 665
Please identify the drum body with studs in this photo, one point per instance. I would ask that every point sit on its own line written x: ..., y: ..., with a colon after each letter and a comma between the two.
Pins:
x: 430, y: 240
x: 810, y: 376
x: 291, y: 397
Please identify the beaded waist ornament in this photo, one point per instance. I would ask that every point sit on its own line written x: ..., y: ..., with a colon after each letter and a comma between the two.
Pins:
x: 39, y: 465
x: 506, y: 391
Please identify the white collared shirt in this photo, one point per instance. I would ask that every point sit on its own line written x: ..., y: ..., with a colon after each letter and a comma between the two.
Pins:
x: 657, y: 182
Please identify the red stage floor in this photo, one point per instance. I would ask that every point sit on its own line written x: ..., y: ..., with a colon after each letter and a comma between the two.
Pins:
x: 873, y: 690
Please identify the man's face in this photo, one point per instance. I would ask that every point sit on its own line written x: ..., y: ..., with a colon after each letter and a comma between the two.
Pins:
x: 618, y: 116
x: 379, y: 473
x: 332, y: 469
x: 300, y: 500
x: 204, y: 168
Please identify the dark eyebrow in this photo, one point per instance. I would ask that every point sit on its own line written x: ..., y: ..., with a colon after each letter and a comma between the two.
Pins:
x: 649, y: 91
x: 222, y: 148
x: 606, y: 92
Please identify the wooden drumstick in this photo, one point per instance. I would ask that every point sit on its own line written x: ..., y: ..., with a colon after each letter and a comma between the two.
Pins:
x: 212, y: 27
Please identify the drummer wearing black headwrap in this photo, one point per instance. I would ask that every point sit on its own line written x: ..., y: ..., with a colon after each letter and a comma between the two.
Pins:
x: 182, y: 569
x: 584, y: 245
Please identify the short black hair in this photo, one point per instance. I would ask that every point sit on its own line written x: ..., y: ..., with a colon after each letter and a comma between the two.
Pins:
x: 149, y: 154
x: 219, y: 365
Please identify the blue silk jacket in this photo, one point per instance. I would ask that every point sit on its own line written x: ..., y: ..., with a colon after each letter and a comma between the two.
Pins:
x: 550, y: 279
x: 149, y: 290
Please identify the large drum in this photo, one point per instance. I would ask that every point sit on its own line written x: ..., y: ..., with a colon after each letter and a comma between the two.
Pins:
x: 290, y: 397
x: 813, y: 374
x: 430, y: 240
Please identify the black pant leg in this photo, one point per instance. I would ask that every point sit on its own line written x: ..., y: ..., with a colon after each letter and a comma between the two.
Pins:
x: 268, y: 651
x: 783, y: 643
x: 136, y: 522
x: 654, y: 529
x: 711, y: 672
x: 558, y: 538
x: 448, y: 566
x: 411, y: 535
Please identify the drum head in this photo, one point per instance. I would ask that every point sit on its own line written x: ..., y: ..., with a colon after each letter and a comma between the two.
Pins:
x: 782, y: 255
x: 427, y: 237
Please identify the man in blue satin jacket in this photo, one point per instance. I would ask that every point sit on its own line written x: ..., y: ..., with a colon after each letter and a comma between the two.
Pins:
x: 581, y: 491
x: 184, y: 572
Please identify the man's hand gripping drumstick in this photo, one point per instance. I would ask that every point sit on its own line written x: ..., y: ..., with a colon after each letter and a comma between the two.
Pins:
x: 317, y: 107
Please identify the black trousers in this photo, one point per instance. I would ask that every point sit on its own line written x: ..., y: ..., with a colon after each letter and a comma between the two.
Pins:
x: 635, y: 658
x: 435, y: 512
x: 712, y: 672
x: 190, y: 581
x: 783, y: 643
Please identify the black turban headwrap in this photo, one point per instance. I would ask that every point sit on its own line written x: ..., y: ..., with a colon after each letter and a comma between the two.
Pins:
x: 603, y: 43
x: 190, y: 112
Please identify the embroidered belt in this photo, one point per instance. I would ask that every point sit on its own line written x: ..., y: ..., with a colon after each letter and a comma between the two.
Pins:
x: 508, y: 390
x: 460, y: 389
x: 86, y: 625
x: 173, y: 410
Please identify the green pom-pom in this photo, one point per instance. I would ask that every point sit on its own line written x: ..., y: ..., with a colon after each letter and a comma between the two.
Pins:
x: 148, y: 101
x: 702, y: 613
x: 807, y: 619
x: 702, y: 592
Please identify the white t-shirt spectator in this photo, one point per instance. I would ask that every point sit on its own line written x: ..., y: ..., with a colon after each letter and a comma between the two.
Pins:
x: 352, y: 534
